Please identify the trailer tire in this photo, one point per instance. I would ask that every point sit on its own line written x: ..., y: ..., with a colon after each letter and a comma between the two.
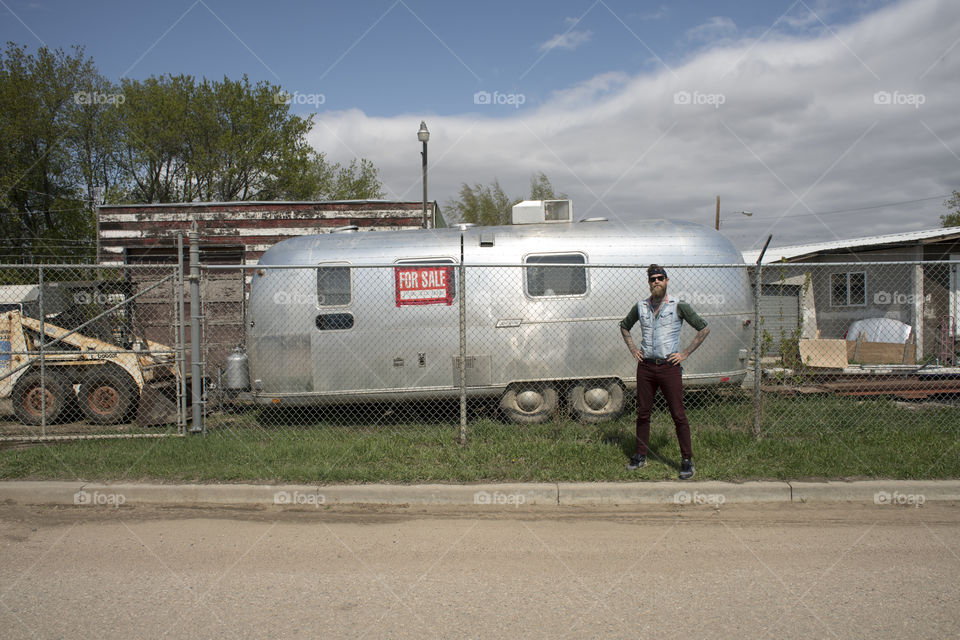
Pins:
x: 28, y: 400
x: 593, y: 401
x: 529, y: 403
x: 108, y: 395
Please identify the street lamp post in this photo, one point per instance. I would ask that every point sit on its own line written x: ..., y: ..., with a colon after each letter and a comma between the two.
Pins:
x: 423, y: 135
x: 743, y: 213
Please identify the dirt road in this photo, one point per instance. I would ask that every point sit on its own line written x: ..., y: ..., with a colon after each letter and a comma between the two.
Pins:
x: 753, y: 571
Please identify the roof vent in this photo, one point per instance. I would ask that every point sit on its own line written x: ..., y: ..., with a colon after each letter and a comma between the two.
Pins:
x: 350, y: 228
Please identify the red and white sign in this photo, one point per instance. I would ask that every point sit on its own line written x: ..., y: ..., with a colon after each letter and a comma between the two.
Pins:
x: 424, y: 285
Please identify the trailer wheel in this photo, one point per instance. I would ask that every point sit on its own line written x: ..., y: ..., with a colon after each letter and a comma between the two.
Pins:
x: 593, y: 401
x: 529, y: 403
x: 108, y: 395
x: 28, y: 397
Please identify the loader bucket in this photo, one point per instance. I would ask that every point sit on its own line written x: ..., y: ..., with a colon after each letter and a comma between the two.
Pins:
x: 155, y: 408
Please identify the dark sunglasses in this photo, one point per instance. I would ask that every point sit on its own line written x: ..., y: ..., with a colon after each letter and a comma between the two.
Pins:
x: 657, y: 278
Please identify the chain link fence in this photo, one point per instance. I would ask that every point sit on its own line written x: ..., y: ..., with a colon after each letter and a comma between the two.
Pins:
x: 90, y: 352
x: 851, y: 345
x: 439, y: 350
x: 433, y: 345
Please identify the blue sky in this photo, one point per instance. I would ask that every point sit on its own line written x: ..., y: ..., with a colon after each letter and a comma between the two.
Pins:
x: 799, y: 111
x: 403, y: 56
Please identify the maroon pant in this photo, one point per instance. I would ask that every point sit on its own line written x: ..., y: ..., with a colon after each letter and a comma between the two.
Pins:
x: 669, y: 379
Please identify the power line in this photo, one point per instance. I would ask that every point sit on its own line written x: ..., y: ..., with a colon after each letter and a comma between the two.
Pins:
x: 868, y: 208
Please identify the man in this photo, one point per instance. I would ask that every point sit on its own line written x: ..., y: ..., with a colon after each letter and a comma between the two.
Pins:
x: 658, y: 363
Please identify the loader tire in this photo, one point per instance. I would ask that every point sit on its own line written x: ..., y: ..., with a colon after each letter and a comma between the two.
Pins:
x: 108, y: 395
x: 28, y: 397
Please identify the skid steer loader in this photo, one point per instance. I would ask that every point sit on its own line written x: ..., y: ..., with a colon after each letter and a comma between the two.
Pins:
x: 109, y: 384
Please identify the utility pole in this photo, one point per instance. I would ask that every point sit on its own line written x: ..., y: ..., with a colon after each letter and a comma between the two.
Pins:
x: 716, y: 224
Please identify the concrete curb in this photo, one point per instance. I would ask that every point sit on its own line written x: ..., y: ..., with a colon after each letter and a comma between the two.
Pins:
x: 897, y: 492
x: 671, y: 492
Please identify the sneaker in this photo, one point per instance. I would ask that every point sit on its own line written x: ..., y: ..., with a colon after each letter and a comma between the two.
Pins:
x: 636, y: 462
x: 686, y: 469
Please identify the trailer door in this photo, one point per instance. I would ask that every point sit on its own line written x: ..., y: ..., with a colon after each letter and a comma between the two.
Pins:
x: 425, y: 336
x: 334, y: 352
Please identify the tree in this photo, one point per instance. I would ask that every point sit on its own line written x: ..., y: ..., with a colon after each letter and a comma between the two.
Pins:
x: 229, y: 140
x: 482, y: 205
x: 45, y: 212
x: 951, y: 219
x: 68, y: 133
x: 541, y: 189
x: 490, y: 205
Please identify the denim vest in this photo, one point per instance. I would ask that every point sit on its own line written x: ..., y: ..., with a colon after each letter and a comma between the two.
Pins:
x: 661, y: 334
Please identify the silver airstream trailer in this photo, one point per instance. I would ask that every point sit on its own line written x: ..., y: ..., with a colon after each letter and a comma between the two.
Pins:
x: 540, y: 337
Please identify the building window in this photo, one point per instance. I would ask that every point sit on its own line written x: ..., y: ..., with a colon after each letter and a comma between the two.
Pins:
x: 333, y: 286
x: 848, y: 289
x: 543, y: 281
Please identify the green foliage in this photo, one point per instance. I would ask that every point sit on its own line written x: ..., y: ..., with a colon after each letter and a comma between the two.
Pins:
x: 225, y: 141
x: 484, y: 205
x: 489, y: 205
x: 43, y: 137
x: 68, y: 136
x: 951, y: 219
x: 541, y: 189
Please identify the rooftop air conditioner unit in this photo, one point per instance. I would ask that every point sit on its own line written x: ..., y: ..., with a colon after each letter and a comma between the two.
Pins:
x: 540, y: 211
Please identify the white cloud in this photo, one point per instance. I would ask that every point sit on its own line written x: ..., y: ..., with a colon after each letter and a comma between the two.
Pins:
x: 569, y: 40
x: 716, y: 28
x: 783, y: 127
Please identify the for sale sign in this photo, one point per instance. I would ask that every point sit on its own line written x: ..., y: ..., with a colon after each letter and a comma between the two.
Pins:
x: 424, y: 285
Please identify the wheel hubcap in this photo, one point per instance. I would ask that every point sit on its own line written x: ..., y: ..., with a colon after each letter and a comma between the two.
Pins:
x: 596, y: 398
x: 529, y: 400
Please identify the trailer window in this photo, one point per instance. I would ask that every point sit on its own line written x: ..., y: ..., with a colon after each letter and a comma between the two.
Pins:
x: 333, y: 286
x: 556, y: 280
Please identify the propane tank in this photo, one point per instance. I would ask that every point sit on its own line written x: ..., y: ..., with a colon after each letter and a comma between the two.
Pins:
x: 237, y: 376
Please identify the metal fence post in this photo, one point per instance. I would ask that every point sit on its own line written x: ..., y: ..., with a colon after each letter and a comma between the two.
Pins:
x: 757, y: 369
x: 181, y: 347
x: 196, y: 375
x: 463, y: 347
x: 43, y: 366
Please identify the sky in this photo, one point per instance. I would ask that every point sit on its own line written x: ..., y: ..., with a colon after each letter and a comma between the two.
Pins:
x: 824, y: 119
